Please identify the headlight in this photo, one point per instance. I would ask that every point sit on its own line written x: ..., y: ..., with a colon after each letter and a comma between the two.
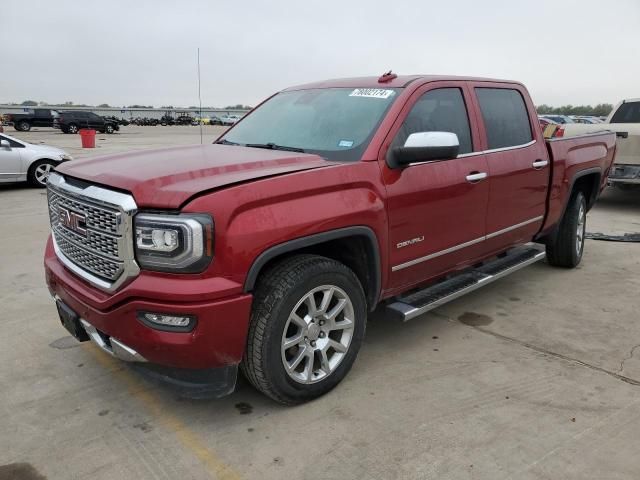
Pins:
x: 174, y: 243
x: 64, y: 156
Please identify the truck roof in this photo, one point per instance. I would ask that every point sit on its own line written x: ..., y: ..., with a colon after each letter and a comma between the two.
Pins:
x: 398, y: 82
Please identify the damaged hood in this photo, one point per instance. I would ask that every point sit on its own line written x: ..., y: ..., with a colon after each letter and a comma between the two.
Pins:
x: 169, y: 177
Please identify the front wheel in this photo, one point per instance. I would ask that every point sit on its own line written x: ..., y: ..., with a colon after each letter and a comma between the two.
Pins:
x: 72, y: 128
x: 23, y: 126
x: 109, y: 129
x: 568, y: 246
x: 39, y: 173
x: 307, y: 325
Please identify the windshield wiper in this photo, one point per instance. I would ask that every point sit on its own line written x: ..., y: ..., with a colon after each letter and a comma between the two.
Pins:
x: 226, y: 142
x: 273, y: 146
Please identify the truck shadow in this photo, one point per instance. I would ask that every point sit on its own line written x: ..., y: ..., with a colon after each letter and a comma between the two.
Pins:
x: 616, y: 199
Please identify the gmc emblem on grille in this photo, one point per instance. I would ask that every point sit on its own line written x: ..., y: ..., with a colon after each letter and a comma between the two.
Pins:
x: 75, y: 222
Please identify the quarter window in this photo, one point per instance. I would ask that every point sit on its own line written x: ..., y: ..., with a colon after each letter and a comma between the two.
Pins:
x: 440, y: 110
x: 505, y: 116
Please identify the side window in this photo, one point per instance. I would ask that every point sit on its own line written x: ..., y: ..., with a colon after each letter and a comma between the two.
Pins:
x: 13, y: 143
x: 505, y: 117
x: 628, y: 112
x: 440, y: 110
x: 39, y: 112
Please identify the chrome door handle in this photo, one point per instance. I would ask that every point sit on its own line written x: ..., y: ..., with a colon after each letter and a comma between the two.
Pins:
x: 538, y: 164
x: 476, y: 177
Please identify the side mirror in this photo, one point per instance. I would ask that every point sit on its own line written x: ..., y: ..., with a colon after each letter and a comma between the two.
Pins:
x: 424, y: 147
x: 5, y: 144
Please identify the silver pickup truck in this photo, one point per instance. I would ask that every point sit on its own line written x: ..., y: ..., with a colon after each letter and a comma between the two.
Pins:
x: 624, y: 119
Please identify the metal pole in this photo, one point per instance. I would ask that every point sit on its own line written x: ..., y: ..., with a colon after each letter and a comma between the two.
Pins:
x: 199, y: 97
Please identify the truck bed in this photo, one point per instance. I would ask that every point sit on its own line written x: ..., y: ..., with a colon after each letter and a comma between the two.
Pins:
x: 572, y: 157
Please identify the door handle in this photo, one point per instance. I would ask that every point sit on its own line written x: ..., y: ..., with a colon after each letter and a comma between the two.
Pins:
x: 475, y: 177
x: 538, y: 164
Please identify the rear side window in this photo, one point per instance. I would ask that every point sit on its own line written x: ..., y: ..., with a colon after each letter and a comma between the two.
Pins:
x: 627, y: 113
x: 440, y: 110
x: 505, y: 117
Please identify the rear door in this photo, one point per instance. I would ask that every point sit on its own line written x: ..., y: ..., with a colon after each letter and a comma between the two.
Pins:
x: 436, y: 210
x: 42, y: 117
x: 518, y: 164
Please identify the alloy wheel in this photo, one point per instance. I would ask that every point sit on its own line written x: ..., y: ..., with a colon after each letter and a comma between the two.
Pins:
x: 317, y: 334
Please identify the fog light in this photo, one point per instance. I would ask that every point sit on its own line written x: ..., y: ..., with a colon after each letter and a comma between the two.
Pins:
x: 170, y: 322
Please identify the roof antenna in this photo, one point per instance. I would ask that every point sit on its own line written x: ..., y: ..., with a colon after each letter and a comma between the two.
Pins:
x: 199, y: 98
x: 387, y: 77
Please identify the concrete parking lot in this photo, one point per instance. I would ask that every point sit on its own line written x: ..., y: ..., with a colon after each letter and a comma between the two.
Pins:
x: 536, y: 376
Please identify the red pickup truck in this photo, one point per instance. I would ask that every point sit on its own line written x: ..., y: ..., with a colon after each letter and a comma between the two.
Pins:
x: 267, y: 249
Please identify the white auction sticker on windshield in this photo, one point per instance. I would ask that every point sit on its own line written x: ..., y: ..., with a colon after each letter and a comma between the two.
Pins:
x: 371, y: 93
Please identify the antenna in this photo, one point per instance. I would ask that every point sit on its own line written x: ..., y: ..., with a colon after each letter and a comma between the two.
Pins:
x: 199, y: 97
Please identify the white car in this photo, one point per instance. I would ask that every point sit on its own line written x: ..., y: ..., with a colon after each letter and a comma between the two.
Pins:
x: 20, y: 161
x: 229, y: 119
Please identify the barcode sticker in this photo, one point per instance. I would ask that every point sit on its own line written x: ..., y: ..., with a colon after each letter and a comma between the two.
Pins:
x: 371, y: 93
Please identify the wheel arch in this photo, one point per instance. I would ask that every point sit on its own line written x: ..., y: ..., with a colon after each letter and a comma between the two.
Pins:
x: 356, y: 247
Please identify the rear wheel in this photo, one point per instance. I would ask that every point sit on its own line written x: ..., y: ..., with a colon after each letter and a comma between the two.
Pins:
x: 307, y: 325
x: 23, y: 126
x: 72, y: 128
x: 109, y: 129
x: 39, y: 173
x: 568, y: 246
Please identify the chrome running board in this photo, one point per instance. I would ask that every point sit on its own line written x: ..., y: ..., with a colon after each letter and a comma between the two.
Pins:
x: 419, y: 302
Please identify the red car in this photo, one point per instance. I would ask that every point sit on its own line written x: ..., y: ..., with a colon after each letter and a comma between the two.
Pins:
x: 267, y: 250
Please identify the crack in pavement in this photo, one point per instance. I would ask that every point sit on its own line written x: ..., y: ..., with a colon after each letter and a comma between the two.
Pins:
x: 544, y: 351
x: 627, y: 358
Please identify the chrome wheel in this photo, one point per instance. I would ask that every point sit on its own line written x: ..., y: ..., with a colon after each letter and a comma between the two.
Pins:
x: 42, y: 173
x: 73, y: 129
x: 317, y: 334
x: 580, y: 229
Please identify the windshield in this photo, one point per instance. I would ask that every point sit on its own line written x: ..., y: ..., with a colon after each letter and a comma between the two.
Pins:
x: 628, y: 112
x: 335, y: 123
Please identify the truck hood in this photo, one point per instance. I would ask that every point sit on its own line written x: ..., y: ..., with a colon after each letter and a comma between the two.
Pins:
x: 167, y: 178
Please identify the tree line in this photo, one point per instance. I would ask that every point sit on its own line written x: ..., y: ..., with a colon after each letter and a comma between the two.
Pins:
x: 600, y: 110
x: 33, y: 103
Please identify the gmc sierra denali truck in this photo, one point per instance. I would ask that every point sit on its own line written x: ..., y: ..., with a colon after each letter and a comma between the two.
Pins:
x: 266, y: 250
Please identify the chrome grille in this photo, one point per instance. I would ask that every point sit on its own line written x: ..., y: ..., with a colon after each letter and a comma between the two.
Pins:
x: 97, y: 246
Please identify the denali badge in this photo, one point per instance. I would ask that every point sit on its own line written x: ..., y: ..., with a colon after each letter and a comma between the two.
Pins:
x: 75, y: 222
x: 410, y: 242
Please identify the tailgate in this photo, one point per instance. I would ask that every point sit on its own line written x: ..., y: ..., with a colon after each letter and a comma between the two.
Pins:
x: 627, y: 142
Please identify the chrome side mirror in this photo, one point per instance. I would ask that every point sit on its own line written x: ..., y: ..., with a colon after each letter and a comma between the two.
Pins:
x: 424, y: 147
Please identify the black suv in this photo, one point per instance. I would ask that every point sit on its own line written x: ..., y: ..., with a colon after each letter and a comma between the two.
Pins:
x: 71, y: 121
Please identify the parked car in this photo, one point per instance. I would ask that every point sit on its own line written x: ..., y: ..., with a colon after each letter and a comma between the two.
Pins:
x: 70, y: 121
x: 624, y: 119
x: 215, y: 120
x: 559, y: 118
x: 267, y: 250
x: 167, y: 119
x: 586, y: 119
x: 22, y: 161
x: 184, y: 119
x: 35, y: 117
x: 229, y: 119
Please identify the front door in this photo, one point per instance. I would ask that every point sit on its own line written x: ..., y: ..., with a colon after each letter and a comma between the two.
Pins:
x: 436, y: 209
x: 10, y: 164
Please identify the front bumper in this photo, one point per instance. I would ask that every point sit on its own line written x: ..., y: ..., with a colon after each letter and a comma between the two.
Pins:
x: 629, y: 174
x: 217, y: 340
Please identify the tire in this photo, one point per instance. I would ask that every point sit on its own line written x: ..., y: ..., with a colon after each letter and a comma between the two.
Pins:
x: 568, y: 246
x: 109, y: 129
x: 281, y: 314
x: 23, y: 126
x: 72, y: 128
x: 39, y: 173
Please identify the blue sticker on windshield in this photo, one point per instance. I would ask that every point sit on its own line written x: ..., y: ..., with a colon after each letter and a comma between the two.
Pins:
x: 345, y: 143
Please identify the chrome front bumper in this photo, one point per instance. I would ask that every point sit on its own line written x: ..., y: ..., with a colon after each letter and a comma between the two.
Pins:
x: 112, y: 346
